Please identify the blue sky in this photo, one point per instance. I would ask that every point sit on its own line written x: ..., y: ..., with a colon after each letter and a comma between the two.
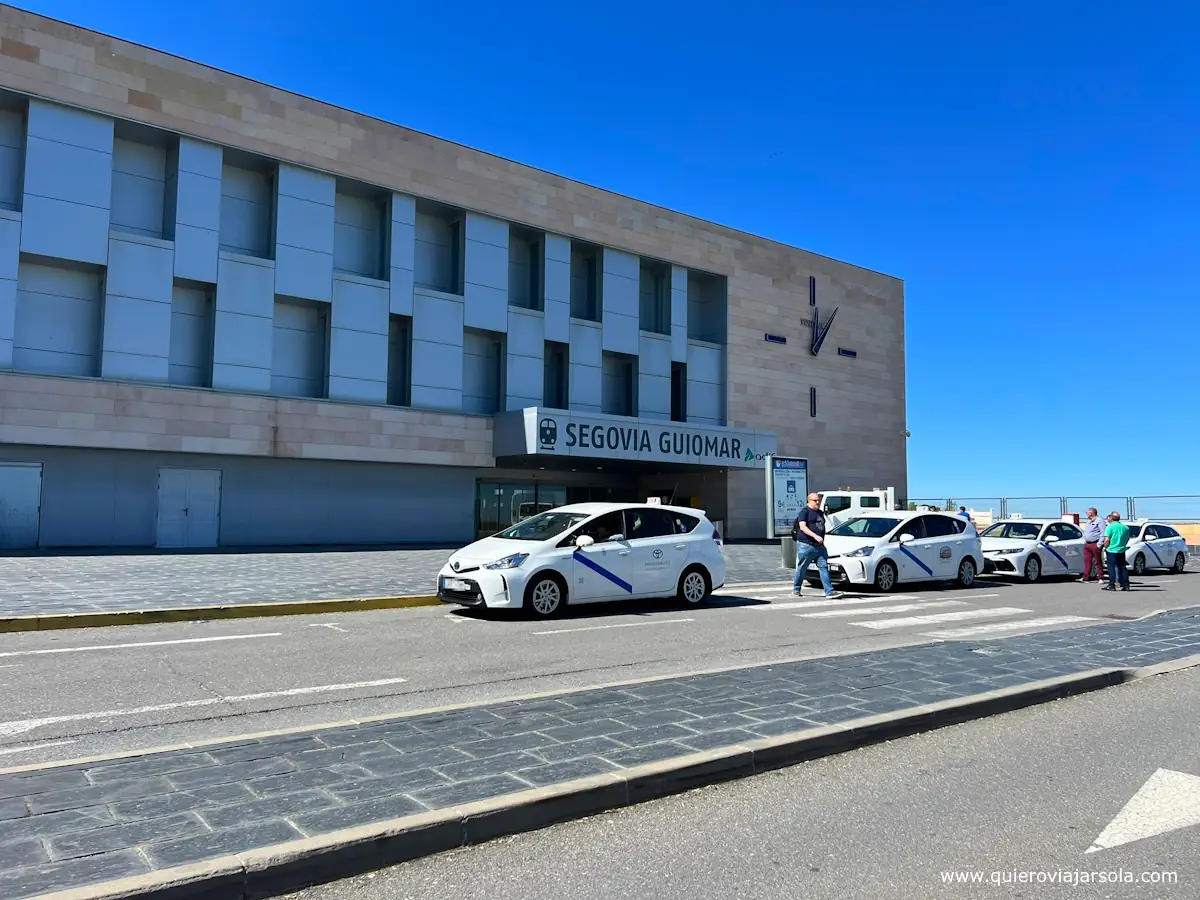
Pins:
x: 1031, y: 172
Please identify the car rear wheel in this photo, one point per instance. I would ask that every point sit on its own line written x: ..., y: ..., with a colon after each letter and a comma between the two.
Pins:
x: 545, y: 596
x: 886, y: 577
x: 1139, y: 564
x: 966, y: 572
x: 694, y: 587
x: 1180, y: 562
x: 1033, y: 568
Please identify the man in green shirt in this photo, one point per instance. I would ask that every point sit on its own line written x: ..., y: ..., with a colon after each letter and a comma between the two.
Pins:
x: 1116, y: 542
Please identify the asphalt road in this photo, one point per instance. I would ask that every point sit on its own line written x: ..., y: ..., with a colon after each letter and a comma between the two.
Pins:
x: 71, y: 694
x: 1011, y: 799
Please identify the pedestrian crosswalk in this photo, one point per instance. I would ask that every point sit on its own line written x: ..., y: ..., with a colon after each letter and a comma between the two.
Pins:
x: 959, y: 616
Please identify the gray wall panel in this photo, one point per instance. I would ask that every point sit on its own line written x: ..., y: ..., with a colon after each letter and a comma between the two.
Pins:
x: 99, y: 498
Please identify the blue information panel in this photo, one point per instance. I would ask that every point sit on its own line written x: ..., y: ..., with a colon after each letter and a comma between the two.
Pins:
x: 787, y: 488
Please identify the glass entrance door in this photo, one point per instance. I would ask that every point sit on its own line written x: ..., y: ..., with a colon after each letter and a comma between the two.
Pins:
x: 499, y: 504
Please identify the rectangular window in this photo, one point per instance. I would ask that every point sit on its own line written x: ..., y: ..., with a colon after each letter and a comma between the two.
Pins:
x: 678, y: 392
x: 812, y: 290
x: 439, y: 248
x: 812, y: 402
x: 585, y: 281
x: 707, y: 299
x: 299, y: 349
x: 483, y: 371
x: 140, y: 174
x: 556, y: 363
x: 400, y: 361
x: 247, y: 205
x: 359, y: 226
x: 12, y: 150
x: 655, y: 295
x: 618, y: 390
x: 525, y: 268
x: 57, y: 327
x: 190, y: 361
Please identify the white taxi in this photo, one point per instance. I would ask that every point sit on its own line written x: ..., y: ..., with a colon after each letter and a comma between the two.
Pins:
x: 589, y: 553
x: 1155, y: 545
x: 886, y: 549
x: 1032, y: 548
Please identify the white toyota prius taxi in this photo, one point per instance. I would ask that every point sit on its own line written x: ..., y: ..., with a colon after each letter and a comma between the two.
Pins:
x: 885, y: 549
x: 589, y: 553
x: 1155, y: 545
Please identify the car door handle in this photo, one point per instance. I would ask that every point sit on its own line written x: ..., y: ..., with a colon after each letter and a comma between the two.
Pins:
x: 681, y: 546
x: 622, y: 553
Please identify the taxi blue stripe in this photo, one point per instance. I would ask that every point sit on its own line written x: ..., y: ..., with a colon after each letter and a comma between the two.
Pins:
x: 1053, y: 553
x: 910, y: 555
x: 600, y: 570
x: 1150, y: 547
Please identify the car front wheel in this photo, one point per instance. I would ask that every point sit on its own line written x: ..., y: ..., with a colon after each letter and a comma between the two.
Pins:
x: 966, y: 572
x: 545, y: 596
x: 1139, y: 564
x: 886, y: 576
x: 1033, y: 569
x: 694, y: 587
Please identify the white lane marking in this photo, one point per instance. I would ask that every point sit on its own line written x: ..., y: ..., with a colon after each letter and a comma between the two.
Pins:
x: 9, y: 666
x: 872, y: 610
x: 205, y: 640
x: 619, y: 625
x: 1166, y: 802
x: 835, y: 601
x: 461, y: 620
x: 994, y: 627
x: 20, y: 726
x: 944, y: 617
x: 333, y: 626
x: 29, y: 748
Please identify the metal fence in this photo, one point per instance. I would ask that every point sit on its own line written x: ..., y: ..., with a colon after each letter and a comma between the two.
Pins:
x: 1163, y: 508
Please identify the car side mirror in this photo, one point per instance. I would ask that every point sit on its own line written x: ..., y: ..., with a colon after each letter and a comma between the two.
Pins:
x: 906, y: 538
x: 617, y: 538
x: 1052, y: 539
x: 1148, y: 537
x: 584, y: 540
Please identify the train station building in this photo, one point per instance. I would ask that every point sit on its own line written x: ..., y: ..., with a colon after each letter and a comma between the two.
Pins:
x: 235, y: 316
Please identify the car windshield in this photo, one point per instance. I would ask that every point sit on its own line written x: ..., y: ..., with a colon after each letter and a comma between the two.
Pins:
x: 542, y: 527
x: 1020, y: 531
x: 865, y: 527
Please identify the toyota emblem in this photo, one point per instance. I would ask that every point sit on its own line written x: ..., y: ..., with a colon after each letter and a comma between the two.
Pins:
x: 454, y: 565
x: 658, y: 554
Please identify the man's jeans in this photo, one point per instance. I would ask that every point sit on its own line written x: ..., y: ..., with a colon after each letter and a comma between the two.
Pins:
x: 1117, y: 570
x: 805, y: 554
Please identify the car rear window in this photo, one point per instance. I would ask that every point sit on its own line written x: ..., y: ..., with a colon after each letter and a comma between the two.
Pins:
x: 683, y: 523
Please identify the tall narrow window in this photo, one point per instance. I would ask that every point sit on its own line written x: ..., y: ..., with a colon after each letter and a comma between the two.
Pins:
x: 555, y: 388
x: 678, y: 392
x: 439, y: 248
x: 812, y: 290
x: 812, y: 402
x: 585, y: 282
x: 400, y: 361
x: 655, y: 295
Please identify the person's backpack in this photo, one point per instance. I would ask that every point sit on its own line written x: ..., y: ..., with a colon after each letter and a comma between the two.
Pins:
x: 796, y: 529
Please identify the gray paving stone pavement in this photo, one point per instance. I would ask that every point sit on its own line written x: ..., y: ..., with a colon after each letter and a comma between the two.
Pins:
x: 76, y: 825
x: 48, y: 585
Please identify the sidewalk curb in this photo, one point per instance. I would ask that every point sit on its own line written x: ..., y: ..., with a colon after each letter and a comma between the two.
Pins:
x: 292, y: 866
x: 9, y: 624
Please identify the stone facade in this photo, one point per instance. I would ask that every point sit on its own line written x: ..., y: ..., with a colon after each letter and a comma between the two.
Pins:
x: 856, y: 437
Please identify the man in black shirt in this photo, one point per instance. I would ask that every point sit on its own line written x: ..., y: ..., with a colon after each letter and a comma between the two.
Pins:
x: 809, y: 532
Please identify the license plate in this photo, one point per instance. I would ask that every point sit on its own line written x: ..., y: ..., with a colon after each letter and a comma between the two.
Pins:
x: 456, y: 584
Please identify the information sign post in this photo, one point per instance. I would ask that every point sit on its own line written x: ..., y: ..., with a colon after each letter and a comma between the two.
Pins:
x: 787, y: 491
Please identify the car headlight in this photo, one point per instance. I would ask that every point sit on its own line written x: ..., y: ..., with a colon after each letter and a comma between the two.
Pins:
x: 509, y: 562
x: 860, y: 552
x: 1005, y: 552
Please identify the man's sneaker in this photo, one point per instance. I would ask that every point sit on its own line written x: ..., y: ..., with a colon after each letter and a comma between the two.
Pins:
x: 796, y: 593
x: 833, y: 595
